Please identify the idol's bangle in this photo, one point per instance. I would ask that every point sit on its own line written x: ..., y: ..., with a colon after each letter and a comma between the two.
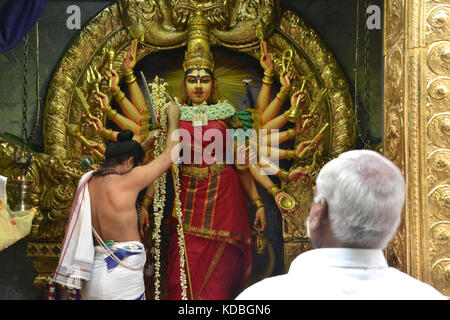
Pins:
x: 118, y: 95
x: 107, y: 134
x: 130, y: 77
x: 283, y: 174
x: 258, y: 203
x: 267, y: 79
x: 283, y: 94
x: 111, y: 113
x: 290, y: 154
x: 291, y: 133
x: 273, y: 190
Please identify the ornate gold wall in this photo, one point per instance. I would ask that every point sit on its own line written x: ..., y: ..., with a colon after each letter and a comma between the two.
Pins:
x: 417, y: 133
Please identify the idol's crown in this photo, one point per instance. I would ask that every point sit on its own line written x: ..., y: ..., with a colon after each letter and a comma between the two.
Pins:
x: 198, y: 54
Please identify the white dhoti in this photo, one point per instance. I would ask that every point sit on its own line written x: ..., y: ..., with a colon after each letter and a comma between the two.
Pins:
x: 110, y: 280
x: 104, y: 272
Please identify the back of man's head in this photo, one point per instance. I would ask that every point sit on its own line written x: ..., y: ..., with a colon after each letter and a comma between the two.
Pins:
x: 125, y: 147
x: 365, y: 193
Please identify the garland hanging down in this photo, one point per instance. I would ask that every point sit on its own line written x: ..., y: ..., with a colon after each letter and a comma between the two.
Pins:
x: 158, y: 92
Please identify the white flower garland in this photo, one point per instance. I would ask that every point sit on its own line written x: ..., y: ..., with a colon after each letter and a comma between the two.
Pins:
x: 181, y: 243
x: 219, y: 111
x: 159, y: 101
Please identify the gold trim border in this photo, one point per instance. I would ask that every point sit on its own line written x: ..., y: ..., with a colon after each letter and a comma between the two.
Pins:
x: 416, y: 100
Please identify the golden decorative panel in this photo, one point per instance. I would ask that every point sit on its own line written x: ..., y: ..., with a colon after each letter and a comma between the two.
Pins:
x: 417, y: 134
x: 43, y: 256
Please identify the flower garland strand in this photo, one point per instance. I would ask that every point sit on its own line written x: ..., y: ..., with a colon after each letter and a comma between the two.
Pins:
x: 176, y: 182
x: 158, y: 98
x: 160, y: 183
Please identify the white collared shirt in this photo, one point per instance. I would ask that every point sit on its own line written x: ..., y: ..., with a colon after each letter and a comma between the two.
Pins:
x: 341, y: 273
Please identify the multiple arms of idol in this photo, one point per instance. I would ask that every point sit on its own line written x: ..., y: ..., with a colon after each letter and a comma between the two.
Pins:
x: 136, y: 117
x: 266, y: 149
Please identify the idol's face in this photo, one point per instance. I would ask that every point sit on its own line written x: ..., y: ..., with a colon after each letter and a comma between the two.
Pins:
x: 198, y: 85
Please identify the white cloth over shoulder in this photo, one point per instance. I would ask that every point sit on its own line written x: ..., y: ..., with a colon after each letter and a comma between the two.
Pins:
x: 112, y: 281
x: 3, y: 194
x: 341, y: 274
x: 77, y: 254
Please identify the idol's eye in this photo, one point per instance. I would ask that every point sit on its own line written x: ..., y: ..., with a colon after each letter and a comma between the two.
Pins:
x: 191, y: 80
x: 206, y: 80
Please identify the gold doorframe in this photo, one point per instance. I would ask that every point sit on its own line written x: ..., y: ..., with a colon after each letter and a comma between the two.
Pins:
x: 417, y: 133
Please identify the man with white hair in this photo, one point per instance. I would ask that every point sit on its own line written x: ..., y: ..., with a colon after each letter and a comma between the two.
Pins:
x: 356, y: 211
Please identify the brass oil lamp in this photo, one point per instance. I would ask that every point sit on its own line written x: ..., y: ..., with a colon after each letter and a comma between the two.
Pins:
x: 22, y: 185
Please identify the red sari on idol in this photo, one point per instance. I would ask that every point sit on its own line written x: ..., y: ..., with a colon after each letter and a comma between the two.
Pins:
x: 216, y: 227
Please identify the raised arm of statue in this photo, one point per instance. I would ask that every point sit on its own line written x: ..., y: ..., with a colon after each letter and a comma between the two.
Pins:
x: 136, y: 95
x: 274, y: 107
x: 266, y: 63
x: 128, y: 108
x: 272, y: 122
x: 95, y: 148
x: 98, y: 126
x: 123, y: 122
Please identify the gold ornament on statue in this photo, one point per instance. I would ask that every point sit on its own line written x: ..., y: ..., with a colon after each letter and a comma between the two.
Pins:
x: 293, y: 114
x: 110, y: 56
x: 317, y: 101
x: 259, y: 242
x: 259, y: 29
x: 198, y: 54
x: 287, y: 202
x: 286, y: 60
x: 93, y: 78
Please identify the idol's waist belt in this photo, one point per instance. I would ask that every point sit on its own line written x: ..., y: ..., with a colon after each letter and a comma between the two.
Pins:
x: 201, y: 173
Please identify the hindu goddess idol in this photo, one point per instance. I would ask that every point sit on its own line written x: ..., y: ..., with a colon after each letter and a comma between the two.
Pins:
x: 217, y: 229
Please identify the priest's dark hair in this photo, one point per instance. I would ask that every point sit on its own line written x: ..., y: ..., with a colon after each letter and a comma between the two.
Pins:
x: 125, y: 147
